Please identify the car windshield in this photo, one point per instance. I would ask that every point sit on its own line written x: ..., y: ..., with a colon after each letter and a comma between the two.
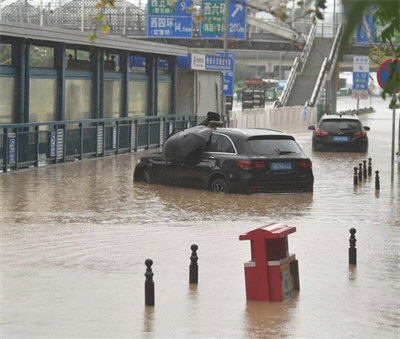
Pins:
x: 335, y: 126
x: 272, y: 145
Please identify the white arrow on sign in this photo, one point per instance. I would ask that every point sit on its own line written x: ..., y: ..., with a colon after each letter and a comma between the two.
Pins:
x: 238, y: 8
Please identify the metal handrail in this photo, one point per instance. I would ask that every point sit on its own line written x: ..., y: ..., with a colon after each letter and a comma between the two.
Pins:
x: 326, y: 66
x: 307, y: 49
x: 318, y: 84
x: 289, y: 84
x: 298, y: 66
x: 334, y: 54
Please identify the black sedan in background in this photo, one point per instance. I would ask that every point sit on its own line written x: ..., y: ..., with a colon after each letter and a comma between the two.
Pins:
x: 232, y: 160
x: 338, y: 132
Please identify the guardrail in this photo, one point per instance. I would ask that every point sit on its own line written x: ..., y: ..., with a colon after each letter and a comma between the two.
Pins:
x: 46, y: 143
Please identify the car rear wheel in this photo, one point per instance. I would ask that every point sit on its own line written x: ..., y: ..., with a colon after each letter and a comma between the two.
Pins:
x: 219, y: 186
x: 145, y: 176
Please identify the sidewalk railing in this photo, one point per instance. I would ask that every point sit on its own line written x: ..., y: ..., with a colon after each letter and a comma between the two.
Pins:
x: 45, y: 143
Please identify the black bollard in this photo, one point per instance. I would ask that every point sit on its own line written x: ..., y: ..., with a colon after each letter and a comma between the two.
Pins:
x: 360, y: 174
x: 193, y: 268
x: 369, y: 167
x: 149, y: 284
x: 377, y: 184
x: 352, y: 248
x: 355, y: 176
x: 365, y: 169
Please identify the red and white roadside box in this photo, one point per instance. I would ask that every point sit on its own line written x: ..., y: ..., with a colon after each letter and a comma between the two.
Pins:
x: 272, y: 274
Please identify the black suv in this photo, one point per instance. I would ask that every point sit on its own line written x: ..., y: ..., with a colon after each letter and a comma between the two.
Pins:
x: 234, y: 160
x: 338, y: 132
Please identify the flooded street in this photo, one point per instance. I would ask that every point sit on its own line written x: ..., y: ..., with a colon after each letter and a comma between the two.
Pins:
x: 74, y: 239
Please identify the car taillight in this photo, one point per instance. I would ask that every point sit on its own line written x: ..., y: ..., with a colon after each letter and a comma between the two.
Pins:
x: 305, y: 164
x: 360, y: 134
x: 321, y: 133
x: 247, y: 164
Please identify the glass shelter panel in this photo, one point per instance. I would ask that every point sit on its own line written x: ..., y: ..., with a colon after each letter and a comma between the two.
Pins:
x: 78, y: 103
x: 164, y: 98
x: 5, y: 54
x: 42, y: 100
x: 137, y: 98
x: 78, y: 59
x: 112, y: 99
x: 112, y: 62
x: 7, y: 85
x: 41, y: 56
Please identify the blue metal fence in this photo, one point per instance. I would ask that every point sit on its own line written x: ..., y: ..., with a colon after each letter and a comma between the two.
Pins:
x: 46, y: 143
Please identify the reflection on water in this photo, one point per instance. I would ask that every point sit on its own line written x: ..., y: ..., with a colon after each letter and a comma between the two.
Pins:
x: 352, y: 272
x: 148, y: 319
x: 191, y: 204
x: 268, y: 320
x: 106, y: 194
x: 74, y: 238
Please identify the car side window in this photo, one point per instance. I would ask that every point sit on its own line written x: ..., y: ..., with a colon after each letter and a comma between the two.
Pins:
x: 220, y: 143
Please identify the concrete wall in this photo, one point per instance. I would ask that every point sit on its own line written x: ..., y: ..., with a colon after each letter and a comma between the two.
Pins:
x: 289, y: 119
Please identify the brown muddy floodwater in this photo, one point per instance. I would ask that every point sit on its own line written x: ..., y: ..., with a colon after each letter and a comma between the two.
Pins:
x: 74, y: 239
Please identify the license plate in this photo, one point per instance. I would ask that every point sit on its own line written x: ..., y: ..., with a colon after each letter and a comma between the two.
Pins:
x: 340, y: 138
x: 281, y: 166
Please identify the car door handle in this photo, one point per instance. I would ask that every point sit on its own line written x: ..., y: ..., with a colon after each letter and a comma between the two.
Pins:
x: 211, y: 157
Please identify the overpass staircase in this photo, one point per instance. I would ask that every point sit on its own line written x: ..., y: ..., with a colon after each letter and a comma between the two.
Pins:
x: 314, y: 70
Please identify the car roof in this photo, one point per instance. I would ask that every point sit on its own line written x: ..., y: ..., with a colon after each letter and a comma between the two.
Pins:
x: 339, y: 116
x: 249, y: 132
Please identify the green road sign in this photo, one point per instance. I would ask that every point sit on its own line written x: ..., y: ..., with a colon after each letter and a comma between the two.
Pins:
x: 213, y: 24
x: 163, y: 7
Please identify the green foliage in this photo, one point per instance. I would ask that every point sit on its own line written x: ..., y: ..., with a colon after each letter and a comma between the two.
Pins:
x: 100, y: 19
x: 387, y: 12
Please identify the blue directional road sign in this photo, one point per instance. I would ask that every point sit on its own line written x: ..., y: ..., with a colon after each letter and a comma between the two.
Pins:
x: 360, y: 73
x: 228, y: 74
x: 237, y: 19
x: 169, y: 20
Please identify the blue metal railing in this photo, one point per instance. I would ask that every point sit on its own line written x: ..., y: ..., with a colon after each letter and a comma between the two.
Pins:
x: 45, y: 143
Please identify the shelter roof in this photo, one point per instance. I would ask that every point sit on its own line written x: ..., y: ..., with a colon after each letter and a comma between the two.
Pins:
x: 43, y: 33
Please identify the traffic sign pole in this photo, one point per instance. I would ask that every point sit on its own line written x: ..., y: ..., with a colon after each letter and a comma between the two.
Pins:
x: 393, y: 133
x: 383, y: 76
x: 226, y: 26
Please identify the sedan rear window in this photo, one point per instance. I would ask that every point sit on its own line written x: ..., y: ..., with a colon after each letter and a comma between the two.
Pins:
x: 335, y: 126
x: 272, y: 146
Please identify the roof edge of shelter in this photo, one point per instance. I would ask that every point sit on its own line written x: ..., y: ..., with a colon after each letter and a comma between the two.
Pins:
x: 46, y: 33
